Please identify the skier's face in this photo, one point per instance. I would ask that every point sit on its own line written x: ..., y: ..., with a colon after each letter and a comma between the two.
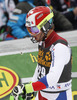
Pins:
x: 39, y: 37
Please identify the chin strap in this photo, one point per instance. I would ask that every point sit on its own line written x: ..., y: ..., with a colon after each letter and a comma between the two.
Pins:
x: 44, y: 37
x: 33, y: 40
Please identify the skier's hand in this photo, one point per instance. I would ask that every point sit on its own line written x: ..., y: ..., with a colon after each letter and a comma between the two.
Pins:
x: 18, y: 91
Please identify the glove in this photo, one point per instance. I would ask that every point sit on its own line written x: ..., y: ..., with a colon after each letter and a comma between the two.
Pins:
x: 29, y: 88
x: 18, y: 92
x: 30, y: 96
x: 13, y: 98
x: 25, y: 91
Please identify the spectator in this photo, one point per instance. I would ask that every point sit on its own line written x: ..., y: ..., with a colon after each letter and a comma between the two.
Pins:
x: 6, y: 8
x: 17, y: 21
x: 66, y: 10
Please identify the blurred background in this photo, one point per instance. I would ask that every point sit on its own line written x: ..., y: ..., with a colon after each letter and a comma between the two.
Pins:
x: 17, y: 52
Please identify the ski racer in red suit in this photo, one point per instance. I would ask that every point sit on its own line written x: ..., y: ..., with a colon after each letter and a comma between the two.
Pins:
x: 52, y: 77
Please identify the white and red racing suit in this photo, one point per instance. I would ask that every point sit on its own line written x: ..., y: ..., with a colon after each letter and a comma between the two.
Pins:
x: 52, y: 77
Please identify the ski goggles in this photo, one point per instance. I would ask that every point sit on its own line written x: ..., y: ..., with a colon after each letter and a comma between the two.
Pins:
x: 33, y: 30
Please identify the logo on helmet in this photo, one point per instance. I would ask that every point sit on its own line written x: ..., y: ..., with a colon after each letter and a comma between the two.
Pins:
x: 39, y: 16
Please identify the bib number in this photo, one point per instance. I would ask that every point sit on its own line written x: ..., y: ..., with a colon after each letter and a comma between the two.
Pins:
x: 41, y: 72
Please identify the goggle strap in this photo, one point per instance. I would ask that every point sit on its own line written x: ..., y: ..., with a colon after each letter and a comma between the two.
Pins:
x: 45, y: 20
